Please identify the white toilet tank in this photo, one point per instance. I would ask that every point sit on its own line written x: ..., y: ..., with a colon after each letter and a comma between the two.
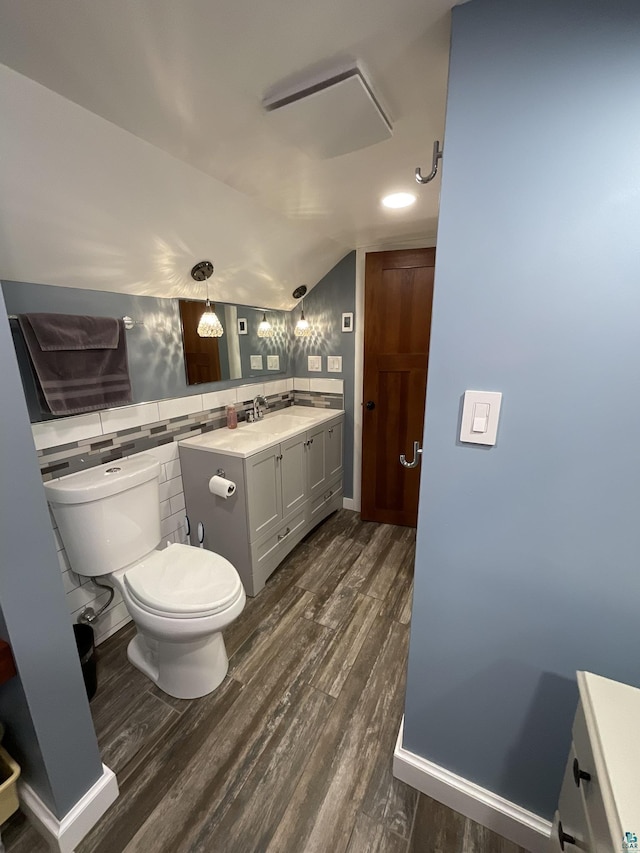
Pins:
x: 109, y: 516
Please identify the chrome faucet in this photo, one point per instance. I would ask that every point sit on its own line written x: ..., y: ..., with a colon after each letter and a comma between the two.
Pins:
x: 259, y: 401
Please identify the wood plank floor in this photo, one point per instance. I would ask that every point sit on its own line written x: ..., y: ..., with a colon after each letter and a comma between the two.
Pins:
x: 292, y: 754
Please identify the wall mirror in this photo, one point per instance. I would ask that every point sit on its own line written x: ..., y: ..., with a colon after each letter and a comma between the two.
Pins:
x: 240, y: 353
x: 155, y: 349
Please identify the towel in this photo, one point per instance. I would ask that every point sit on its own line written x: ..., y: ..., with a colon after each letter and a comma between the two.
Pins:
x: 80, y: 364
x: 70, y: 332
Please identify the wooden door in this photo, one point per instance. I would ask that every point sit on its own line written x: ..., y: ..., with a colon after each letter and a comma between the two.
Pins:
x: 397, y: 318
x: 201, y: 355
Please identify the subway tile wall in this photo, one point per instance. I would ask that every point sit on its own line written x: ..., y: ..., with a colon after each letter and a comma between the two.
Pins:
x: 84, y: 441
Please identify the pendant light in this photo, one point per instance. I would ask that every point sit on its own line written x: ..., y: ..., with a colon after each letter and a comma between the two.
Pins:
x: 265, y: 329
x: 302, y: 329
x: 209, y: 325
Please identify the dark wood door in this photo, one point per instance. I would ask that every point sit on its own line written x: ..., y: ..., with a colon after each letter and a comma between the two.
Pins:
x: 201, y: 355
x: 397, y: 325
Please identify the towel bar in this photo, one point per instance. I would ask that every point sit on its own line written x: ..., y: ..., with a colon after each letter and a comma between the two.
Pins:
x: 129, y: 322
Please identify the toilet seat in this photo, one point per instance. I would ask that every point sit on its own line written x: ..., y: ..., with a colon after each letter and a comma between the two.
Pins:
x: 183, y: 582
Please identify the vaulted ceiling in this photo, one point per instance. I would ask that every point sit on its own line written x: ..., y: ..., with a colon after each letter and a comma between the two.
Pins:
x: 145, y: 147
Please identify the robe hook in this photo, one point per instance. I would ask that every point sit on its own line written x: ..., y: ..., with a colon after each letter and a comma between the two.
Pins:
x: 437, y: 155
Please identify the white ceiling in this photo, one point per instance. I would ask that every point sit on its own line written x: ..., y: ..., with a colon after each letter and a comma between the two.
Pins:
x: 189, y: 77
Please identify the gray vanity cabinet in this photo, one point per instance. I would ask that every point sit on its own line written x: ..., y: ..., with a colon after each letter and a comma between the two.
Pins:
x: 282, y: 493
x: 335, y: 439
x: 276, y: 482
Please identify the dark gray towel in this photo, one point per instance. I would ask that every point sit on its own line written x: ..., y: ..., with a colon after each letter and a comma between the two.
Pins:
x: 71, y: 331
x: 82, y: 378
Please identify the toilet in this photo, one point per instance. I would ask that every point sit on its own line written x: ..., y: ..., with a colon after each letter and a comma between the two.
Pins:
x: 181, y: 598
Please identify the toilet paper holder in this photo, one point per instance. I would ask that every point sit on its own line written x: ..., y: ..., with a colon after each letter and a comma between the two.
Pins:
x: 220, y: 473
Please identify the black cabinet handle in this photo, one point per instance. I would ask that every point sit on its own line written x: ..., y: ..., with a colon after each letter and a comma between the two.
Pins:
x: 579, y: 774
x: 370, y: 405
x: 563, y: 838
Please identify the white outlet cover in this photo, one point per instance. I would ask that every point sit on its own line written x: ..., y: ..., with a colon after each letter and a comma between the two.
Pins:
x: 273, y: 362
x: 334, y: 363
x: 256, y: 362
x: 314, y: 363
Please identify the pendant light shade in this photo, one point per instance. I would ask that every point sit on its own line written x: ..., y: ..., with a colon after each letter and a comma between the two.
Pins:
x: 303, y: 329
x: 209, y: 325
x: 265, y: 329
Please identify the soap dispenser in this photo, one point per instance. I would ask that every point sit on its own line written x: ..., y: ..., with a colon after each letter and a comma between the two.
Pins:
x: 232, y: 417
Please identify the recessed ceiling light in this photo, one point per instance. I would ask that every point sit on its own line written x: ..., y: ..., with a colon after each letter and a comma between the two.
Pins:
x: 396, y: 200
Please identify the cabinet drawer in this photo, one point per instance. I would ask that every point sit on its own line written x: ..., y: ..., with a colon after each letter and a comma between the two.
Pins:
x: 590, y: 790
x: 572, y: 813
x: 325, y: 503
x: 281, y: 541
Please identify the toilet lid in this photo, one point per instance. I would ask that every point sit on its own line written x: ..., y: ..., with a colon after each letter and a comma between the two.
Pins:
x: 184, y: 579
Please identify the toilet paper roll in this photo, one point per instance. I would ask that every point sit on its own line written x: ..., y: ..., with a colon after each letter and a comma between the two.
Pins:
x: 221, y: 487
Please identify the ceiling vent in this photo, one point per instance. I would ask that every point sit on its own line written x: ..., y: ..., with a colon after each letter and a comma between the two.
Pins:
x: 331, y: 114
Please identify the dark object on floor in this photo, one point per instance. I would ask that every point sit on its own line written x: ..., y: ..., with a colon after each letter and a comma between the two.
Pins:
x: 87, y: 651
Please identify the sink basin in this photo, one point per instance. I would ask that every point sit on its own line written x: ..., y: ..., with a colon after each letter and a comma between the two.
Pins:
x: 248, y: 439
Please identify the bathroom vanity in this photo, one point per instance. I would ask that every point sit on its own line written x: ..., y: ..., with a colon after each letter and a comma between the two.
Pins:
x: 287, y: 468
x: 599, y: 808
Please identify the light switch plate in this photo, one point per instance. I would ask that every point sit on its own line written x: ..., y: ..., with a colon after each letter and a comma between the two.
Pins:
x: 273, y: 362
x: 473, y: 412
x: 314, y: 363
x: 334, y: 364
x: 256, y: 362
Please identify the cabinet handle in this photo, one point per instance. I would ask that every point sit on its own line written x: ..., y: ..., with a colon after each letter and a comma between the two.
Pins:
x: 284, y: 535
x: 328, y: 495
x: 563, y: 838
x: 310, y: 441
x: 330, y: 430
x: 279, y: 457
x: 579, y: 774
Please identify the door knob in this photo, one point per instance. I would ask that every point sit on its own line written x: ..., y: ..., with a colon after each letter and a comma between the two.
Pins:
x: 370, y: 405
x: 579, y: 774
x: 563, y: 837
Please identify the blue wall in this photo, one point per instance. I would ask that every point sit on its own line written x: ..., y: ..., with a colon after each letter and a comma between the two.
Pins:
x: 44, y: 708
x: 334, y: 295
x: 528, y: 560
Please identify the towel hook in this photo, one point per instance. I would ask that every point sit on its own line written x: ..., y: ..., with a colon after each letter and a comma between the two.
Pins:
x: 437, y: 155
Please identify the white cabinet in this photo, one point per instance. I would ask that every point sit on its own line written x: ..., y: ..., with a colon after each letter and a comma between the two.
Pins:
x: 599, y: 806
x: 282, y: 492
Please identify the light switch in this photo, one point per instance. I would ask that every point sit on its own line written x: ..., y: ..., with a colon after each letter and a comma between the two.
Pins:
x: 334, y: 364
x: 314, y: 363
x: 480, y: 414
x: 256, y: 362
x: 480, y: 417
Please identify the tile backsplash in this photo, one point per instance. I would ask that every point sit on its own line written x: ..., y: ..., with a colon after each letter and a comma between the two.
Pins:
x: 73, y: 444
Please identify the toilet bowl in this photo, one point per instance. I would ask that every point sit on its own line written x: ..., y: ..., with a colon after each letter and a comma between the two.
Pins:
x: 180, y: 598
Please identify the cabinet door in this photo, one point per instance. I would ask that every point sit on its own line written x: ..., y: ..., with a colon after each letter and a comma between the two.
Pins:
x: 335, y: 435
x: 293, y: 470
x: 264, y: 493
x: 316, y: 459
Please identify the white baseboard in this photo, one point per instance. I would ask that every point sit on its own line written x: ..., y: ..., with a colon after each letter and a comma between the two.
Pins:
x: 484, y: 807
x: 64, y: 834
x: 348, y: 503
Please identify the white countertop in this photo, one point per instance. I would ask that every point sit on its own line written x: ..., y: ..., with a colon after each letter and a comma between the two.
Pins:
x: 248, y: 439
x: 612, y: 712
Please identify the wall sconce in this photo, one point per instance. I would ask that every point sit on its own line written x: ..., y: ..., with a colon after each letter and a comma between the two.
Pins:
x: 302, y: 329
x: 265, y: 329
x: 209, y: 325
